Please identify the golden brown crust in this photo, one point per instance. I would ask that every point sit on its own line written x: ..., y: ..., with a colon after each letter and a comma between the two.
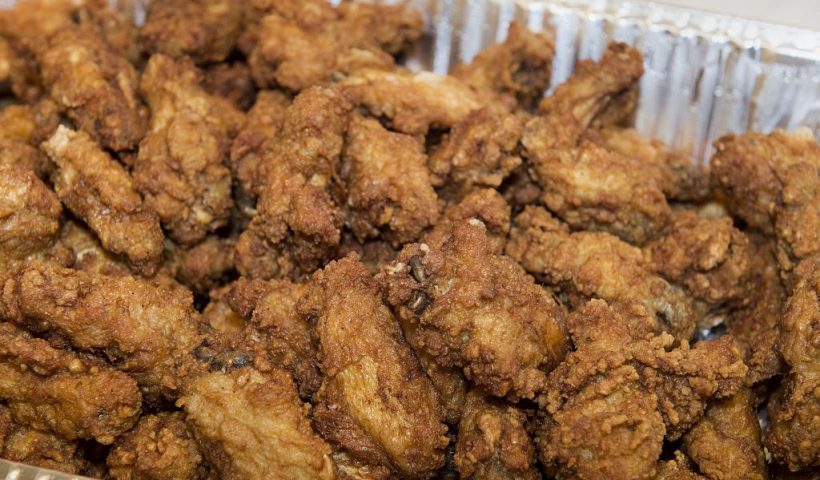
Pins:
x: 159, y: 447
x: 375, y: 402
x: 231, y: 81
x: 203, y: 266
x: 99, y: 191
x: 233, y: 414
x: 180, y: 168
x: 22, y: 444
x: 477, y: 310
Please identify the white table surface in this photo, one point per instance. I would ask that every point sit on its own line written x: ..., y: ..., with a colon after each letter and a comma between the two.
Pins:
x: 799, y: 13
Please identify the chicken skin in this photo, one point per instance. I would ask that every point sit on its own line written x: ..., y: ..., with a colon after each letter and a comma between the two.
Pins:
x: 585, y: 265
x: 98, y: 190
x: 95, y: 85
x: 181, y: 165
x: 55, y: 390
x: 205, y: 31
x: 152, y: 338
x: 250, y: 425
x: 726, y: 442
x: 493, y: 442
x: 159, y: 447
x: 623, y: 390
x: 521, y: 66
x: 375, y: 403
x: 477, y: 310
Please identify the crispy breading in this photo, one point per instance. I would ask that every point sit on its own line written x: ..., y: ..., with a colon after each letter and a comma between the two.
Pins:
x: 203, y: 266
x: 153, y: 335
x: 278, y: 335
x: 679, y: 468
x: 520, y: 66
x: 793, y: 434
x: 375, y: 403
x: 29, y: 214
x: 231, y: 81
x: 585, y: 265
x: 100, y: 191
x: 204, y: 30
x: 493, y: 442
x: 56, y: 390
x: 298, y: 224
x: 477, y: 310
x: 232, y: 415
x: 22, y: 444
x: 95, y: 85
x: 159, y: 447
x: 388, y: 186
x: 486, y: 205
x: 181, y: 166
x: 588, y: 186
x: 726, y: 442
x: 709, y: 257
x: 479, y: 151
x: 19, y: 132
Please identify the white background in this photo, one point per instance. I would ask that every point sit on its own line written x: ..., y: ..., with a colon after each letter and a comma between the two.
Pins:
x: 800, y: 13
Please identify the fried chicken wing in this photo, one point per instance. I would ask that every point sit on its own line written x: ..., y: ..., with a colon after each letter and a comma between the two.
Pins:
x: 298, y: 44
x: 586, y: 265
x: 298, y: 224
x: 181, y: 166
x: 95, y: 85
x: 22, y: 444
x: 205, y: 31
x: 726, y: 442
x: 250, y: 425
x: 56, y: 390
x: 99, y: 191
x: 477, y: 310
x: 144, y: 328
x: 587, y: 186
x: 29, y: 214
x: 793, y: 436
x: 493, y: 442
x: 388, y: 185
x: 375, y: 403
x: 520, y: 66
x: 160, y: 447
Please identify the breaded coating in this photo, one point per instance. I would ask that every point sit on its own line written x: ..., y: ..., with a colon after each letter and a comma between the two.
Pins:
x: 153, y: 335
x: 677, y: 175
x: 793, y: 435
x: 180, y: 168
x: 203, y: 266
x: 493, y: 443
x: 29, y: 214
x: 416, y: 103
x: 95, y: 85
x: 679, y: 468
x: 55, y: 390
x: 18, y: 139
x: 756, y: 326
x: 480, y: 151
x: 204, y: 30
x: 301, y: 43
x: 587, y: 186
x: 586, y: 265
x: 709, y: 257
x: 87, y: 253
x: 100, y: 191
x: 477, y: 310
x: 33, y: 447
x: 298, y: 225
x: 797, y: 223
x: 486, y: 205
x: 249, y: 153
x: 726, y: 442
x: 250, y: 425
x: 160, y: 447
x: 520, y: 66
x: 375, y: 403
x: 623, y: 390
x: 388, y: 186
x: 278, y: 335
x: 231, y: 81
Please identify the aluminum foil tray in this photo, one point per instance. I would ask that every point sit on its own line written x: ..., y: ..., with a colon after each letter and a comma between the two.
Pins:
x: 706, y: 74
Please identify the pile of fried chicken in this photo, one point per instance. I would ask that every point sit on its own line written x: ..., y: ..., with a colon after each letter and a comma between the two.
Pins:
x: 241, y: 241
